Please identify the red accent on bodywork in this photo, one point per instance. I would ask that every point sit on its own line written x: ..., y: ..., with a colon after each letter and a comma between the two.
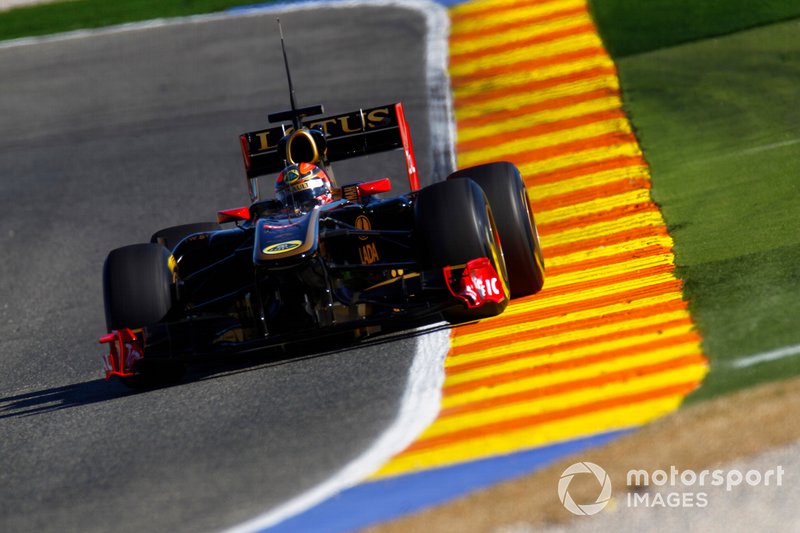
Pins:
x: 408, y: 148
x: 125, y: 349
x: 479, y: 283
x: 232, y: 215
x: 374, y: 187
x: 245, y: 152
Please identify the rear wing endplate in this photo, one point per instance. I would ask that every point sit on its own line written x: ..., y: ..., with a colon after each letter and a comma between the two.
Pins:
x: 358, y: 133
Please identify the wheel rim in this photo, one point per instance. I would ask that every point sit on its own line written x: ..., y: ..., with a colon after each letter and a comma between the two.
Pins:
x: 496, y: 251
x: 534, y: 231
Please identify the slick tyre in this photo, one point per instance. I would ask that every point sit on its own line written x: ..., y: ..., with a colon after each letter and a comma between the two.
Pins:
x: 170, y: 237
x: 137, y: 286
x: 507, y: 194
x: 456, y: 225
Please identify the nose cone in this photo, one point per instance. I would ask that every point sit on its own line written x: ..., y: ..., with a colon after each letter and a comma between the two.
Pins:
x: 285, y: 240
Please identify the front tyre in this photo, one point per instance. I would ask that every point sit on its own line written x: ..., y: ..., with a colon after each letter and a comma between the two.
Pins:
x: 508, y: 196
x: 137, y: 290
x: 137, y: 284
x: 456, y: 225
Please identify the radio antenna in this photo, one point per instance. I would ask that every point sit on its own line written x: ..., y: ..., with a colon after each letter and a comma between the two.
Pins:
x: 295, y: 114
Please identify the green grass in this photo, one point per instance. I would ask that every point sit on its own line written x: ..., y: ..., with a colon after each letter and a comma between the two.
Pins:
x: 78, y: 14
x: 634, y: 26
x: 719, y: 124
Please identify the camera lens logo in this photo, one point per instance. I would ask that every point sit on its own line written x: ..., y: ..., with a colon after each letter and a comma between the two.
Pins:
x: 589, y: 508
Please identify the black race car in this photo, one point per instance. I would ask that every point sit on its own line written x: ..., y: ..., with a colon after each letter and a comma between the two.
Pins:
x: 287, y: 269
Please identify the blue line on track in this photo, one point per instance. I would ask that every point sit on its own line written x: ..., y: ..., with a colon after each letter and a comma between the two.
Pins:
x: 252, y: 7
x: 378, y: 501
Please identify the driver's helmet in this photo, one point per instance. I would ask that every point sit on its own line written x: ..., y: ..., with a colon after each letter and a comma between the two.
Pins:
x: 303, y: 186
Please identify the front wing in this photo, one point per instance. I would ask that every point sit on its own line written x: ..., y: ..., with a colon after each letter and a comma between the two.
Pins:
x: 470, y: 286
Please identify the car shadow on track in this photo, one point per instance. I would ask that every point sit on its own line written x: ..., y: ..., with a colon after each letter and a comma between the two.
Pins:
x: 250, y: 362
x: 52, y: 399
x: 57, y: 398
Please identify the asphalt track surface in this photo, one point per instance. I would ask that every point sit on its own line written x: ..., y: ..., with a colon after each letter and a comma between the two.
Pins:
x: 104, y: 140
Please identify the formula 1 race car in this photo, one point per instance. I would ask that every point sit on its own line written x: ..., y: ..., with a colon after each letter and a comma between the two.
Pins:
x: 321, y: 259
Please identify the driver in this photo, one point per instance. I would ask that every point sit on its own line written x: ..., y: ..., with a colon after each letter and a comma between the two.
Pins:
x: 302, y: 186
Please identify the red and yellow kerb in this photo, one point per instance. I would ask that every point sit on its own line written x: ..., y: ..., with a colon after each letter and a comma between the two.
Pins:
x: 609, y: 343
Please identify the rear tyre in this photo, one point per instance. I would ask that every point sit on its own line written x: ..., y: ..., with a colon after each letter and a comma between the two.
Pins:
x: 455, y: 225
x: 508, y: 196
x: 170, y: 237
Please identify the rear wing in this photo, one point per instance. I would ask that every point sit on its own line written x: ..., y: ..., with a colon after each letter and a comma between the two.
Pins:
x: 358, y: 133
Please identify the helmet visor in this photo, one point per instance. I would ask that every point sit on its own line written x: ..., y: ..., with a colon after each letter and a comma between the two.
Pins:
x: 304, y: 195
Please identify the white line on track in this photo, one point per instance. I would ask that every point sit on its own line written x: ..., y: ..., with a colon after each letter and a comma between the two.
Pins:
x: 774, y: 355
x: 418, y: 409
